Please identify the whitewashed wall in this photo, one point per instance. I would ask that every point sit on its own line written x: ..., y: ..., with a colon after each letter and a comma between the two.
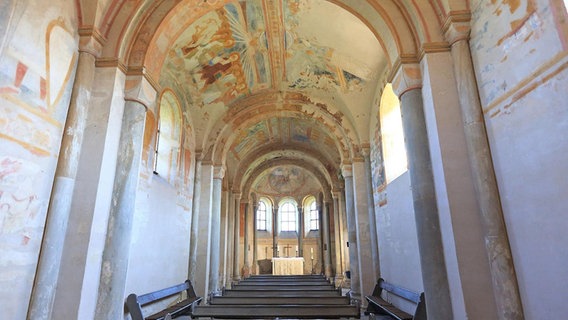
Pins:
x: 520, y: 54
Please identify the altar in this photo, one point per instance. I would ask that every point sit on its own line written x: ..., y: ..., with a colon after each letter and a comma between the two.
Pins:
x: 284, y: 266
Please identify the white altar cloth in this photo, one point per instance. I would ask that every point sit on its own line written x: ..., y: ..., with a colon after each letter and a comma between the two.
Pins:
x: 284, y: 266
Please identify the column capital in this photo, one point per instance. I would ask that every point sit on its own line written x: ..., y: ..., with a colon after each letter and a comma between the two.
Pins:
x: 407, y: 77
x: 138, y: 88
x: 457, y: 26
x: 218, y: 172
x: 91, y: 40
x: 336, y: 195
x: 347, y: 170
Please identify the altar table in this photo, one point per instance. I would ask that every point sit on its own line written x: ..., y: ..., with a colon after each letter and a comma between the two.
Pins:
x: 285, y: 266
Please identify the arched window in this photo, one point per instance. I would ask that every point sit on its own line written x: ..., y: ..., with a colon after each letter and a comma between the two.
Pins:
x: 394, y: 152
x: 314, y: 216
x: 168, y: 135
x: 288, y: 216
x: 261, y: 216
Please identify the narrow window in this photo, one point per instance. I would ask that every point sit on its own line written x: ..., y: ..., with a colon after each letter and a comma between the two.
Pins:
x: 261, y: 216
x: 314, y: 216
x: 288, y: 217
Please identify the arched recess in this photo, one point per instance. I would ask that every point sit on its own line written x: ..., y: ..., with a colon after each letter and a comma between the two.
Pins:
x: 246, y: 185
x: 343, y: 134
x: 315, y: 159
x: 168, y: 137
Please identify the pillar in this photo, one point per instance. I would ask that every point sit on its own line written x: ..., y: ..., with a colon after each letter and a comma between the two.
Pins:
x: 237, y: 235
x: 301, y: 232
x: 338, y: 236
x: 326, y: 239
x: 505, y: 286
x: 434, y: 275
x: 347, y: 172
x: 361, y: 192
x: 195, y: 220
x: 110, y: 302
x: 229, y: 237
x: 215, y: 239
x: 275, y: 232
x: 246, y: 244
x: 372, y: 216
x: 43, y: 294
x: 254, y: 237
x: 202, y: 230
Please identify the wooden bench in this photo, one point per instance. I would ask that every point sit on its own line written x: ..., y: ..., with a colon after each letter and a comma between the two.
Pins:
x: 134, y: 302
x: 377, y: 305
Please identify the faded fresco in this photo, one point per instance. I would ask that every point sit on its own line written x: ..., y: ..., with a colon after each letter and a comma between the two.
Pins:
x: 36, y: 75
x: 378, y: 175
x: 286, y: 180
x: 224, y: 54
x: 504, y: 30
x: 285, y: 130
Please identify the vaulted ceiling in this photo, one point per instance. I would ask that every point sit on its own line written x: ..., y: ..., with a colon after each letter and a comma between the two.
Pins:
x: 270, y: 85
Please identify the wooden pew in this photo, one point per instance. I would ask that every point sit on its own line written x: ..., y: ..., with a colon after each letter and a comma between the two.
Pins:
x: 377, y: 305
x: 135, y: 302
x: 284, y: 300
x: 277, y: 311
x: 283, y: 287
x: 279, y: 293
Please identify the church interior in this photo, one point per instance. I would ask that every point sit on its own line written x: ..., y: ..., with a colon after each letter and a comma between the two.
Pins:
x: 146, y: 142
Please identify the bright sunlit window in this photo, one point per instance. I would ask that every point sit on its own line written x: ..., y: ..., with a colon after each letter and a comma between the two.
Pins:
x: 288, y: 215
x: 394, y: 151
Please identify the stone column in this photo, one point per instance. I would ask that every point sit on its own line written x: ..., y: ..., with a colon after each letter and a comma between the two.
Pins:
x: 110, y: 302
x: 363, y: 226
x: 237, y: 235
x: 366, y: 152
x: 246, y: 244
x: 206, y: 251
x: 301, y: 232
x: 347, y: 172
x: 218, y: 173
x: 41, y: 303
x: 505, y: 286
x: 319, y: 208
x: 254, y: 236
x: 338, y: 237
x: 195, y: 220
x: 434, y: 275
x: 275, y: 232
x: 229, y: 236
x: 326, y: 239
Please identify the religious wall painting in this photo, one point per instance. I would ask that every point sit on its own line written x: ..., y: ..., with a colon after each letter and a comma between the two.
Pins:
x: 251, y: 138
x: 286, y: 180
x: 36, y: 100
x: 310, y: 65
x: 378, y: 175
x: 223, y: 54
x: 521, y: 30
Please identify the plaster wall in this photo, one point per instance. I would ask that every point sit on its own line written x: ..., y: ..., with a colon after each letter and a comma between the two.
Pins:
x: 33, y: 109
x: 160, y: 221
x: 520, y: 58
x: 398, y: 244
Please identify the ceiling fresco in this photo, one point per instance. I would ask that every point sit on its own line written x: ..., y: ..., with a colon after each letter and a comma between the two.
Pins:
x: 286, y: 180
x: 273, y: 50
x: 284, y: 131
x: 247, y: 46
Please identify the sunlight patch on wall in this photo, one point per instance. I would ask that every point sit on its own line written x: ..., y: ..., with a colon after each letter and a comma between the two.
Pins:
x: 392, y: 135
